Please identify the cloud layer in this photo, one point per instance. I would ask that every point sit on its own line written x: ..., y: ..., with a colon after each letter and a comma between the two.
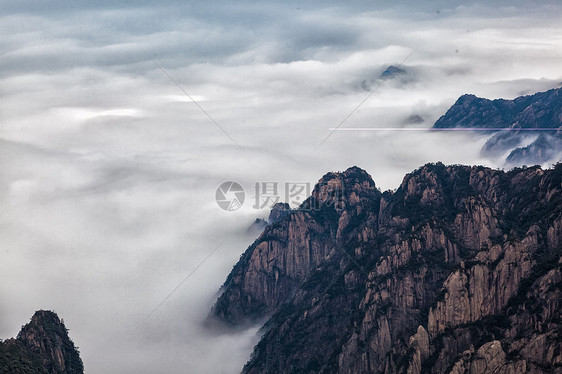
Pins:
x: 109, y: 170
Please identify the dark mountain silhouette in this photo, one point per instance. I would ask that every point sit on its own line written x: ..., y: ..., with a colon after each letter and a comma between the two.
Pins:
x: 457, y: 271
x: 542, y: 110
x: 41, y: 347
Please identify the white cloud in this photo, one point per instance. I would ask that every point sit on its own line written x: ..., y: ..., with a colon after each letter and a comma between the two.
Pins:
x: 109, y: 172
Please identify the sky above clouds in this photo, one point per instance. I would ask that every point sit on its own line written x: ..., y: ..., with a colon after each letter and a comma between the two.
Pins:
x: 109, y: 170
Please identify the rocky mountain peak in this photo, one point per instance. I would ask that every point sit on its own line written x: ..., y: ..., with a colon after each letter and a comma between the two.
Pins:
x: 344, y: 190
x: 472, y: 111
x: 542, y: 110
x: 42, y: 318
x: 296, y: 243
x: 466, y: 99
x: 351, y: 176
x: 44, y: 325
x: 42, y: 346
x: 459, y: 268
x: 278, y: 212
x: 392, y: 71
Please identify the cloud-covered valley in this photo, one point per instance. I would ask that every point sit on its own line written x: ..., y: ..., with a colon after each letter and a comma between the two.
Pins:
x: 109, y: 170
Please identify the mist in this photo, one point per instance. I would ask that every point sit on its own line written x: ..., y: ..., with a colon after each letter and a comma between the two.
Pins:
x: 109, y: 169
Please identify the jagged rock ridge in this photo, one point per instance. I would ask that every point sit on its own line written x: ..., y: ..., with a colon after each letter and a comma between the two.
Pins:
x: 459, y: 270
x: 542, y: 110
x: 41, y: 347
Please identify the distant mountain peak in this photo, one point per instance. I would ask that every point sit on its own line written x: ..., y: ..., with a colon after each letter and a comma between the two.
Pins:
x: 392, y: 71
x: 467, y: 98
x: 542, y: 110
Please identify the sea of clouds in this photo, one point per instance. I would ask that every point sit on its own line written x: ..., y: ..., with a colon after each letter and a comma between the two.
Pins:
x: 109, y: 169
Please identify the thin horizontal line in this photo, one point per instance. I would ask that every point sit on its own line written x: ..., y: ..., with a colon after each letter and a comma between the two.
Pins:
x: 334, y: 129
x: 440, y: 129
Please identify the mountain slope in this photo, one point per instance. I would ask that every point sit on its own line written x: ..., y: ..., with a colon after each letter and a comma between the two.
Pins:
x: 542, y: 110
x: 459, y: 269
x: 42, y: 346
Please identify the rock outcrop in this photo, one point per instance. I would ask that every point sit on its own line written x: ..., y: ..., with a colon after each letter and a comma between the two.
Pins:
x: 458, y: 270
x: 42, y: 346
x: 271, y: 270
x: 278, y: 212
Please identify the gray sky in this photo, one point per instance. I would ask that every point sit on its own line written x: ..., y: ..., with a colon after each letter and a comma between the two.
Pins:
x: 109, y: 171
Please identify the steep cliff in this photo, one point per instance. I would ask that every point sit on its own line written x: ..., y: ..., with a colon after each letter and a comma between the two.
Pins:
x: 458, y: 270
x: 272, y: 269
x: 42, y: 346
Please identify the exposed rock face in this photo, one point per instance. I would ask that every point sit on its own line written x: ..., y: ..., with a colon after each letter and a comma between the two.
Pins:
x: 42, y: 346
x: 490, y: 358
x: 542, y: 110
x: 458, y: 270
x: 278, y: 212
x: 271, y: 270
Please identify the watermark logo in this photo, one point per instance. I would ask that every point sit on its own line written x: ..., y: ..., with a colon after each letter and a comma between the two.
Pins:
x: 230, y: 196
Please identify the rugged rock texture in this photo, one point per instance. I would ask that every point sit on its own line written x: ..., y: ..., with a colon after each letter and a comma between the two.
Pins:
x: 271, y: 270
x: 278, y: 212
x: 42, y: 346
x: 541, y: 110
x: 459, y: 270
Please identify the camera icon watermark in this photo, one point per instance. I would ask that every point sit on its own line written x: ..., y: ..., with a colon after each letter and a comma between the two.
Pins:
x: 231, y: 196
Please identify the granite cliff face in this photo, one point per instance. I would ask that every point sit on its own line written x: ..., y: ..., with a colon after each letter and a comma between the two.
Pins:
x: 42, y: 346
x: 542, y: 110
x: 457, y: 271
x: 272, y: 269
